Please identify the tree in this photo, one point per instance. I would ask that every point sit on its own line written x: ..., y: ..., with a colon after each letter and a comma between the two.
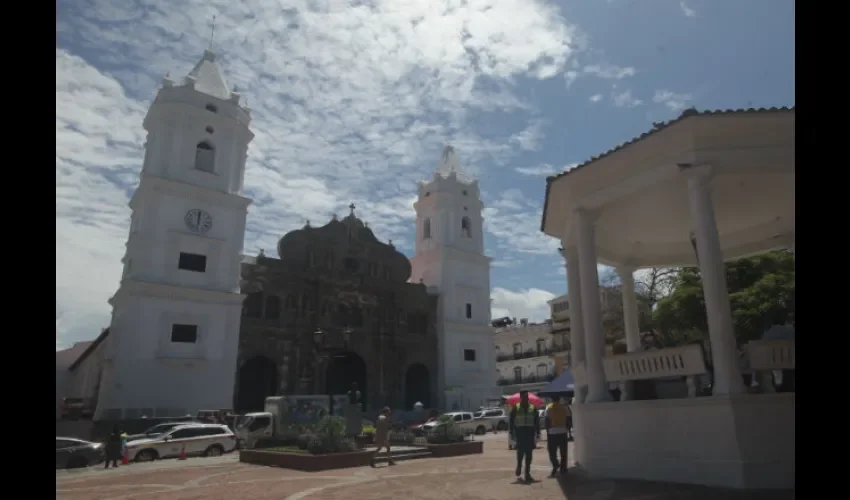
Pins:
x: 761, y: 294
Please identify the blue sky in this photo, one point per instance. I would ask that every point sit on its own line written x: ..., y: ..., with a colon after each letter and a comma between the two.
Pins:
x: 353, y: 101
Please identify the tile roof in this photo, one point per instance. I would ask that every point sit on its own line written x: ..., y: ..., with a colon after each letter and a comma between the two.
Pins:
x: 656, y: 127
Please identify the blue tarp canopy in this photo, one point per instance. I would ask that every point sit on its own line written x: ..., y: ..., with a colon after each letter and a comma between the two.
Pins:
x: 564, y: 383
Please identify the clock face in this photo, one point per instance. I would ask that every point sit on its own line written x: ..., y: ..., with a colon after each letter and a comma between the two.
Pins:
x: 198, y: 221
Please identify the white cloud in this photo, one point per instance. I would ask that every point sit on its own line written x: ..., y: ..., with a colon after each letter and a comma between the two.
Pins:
x: 530, y: 303
x: 544, y: 169
x: 350, y: 103
x: 676, y: 102
x: 605, y: 71
x: 596, y: 98
x: 514, y: 220
x: 625, y: 99
x: 687, y: 11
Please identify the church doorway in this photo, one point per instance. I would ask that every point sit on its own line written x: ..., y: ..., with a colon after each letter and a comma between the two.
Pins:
x: 343, y: 369
x: 417, y: 386
x: 257, y: 381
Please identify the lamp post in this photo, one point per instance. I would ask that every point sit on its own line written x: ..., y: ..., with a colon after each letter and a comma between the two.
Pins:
x: 323, y: 352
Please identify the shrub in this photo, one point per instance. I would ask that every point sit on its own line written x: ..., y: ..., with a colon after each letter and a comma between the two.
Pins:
x: 329, y: 437
x: 445, y: 432
x: 303, y: 440
x: 368, y: 429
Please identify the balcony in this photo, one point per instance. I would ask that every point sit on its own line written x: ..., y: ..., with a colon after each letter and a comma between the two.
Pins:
x: 532, y: 353
x: 528, y: 379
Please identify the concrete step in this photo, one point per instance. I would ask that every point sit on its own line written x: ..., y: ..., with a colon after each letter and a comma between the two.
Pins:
x: 381, y: 458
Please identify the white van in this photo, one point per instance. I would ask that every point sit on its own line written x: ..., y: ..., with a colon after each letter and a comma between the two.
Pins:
x: 208, y: 440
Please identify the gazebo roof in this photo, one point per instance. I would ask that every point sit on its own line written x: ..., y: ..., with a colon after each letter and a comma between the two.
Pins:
x: 639, y: 192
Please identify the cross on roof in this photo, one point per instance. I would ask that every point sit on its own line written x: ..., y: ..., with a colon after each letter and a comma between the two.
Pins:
x: 352, y: 207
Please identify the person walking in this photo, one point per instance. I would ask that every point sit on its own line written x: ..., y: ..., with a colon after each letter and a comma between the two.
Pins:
x: 382, y: 435
x: 525, y: 427
x: 556, y: 434
x: 113, y: 448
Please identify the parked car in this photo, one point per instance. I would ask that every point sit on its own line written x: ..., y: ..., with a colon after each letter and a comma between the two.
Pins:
x: 72, y: 453
x: 419, y: 429
x: 209, y: 440
x: 463, y: 420
x: 496, y: 418
x: 76, y: 408
x: 158, y: 430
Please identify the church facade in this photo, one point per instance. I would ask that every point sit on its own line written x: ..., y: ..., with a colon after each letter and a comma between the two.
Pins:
x: 196, y: 325
x: 336, y: 307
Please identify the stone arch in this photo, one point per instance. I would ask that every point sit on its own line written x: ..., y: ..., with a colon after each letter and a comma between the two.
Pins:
x: 344, y: 368
x: 466, y: 226
x: 417, y: 386
x: 258, y: 379
x: 205, y: 157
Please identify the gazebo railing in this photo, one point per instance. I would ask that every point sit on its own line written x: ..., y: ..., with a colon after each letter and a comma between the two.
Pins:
x: 683, y: 361
x: 766, y: 356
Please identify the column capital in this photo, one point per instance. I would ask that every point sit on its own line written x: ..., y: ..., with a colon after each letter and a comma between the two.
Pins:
x: 697, y: 175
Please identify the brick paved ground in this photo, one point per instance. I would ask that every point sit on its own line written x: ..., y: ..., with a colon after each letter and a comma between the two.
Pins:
x: 488, y: 476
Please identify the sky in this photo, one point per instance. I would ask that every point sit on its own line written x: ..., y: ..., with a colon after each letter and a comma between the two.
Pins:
x: 353, y: 101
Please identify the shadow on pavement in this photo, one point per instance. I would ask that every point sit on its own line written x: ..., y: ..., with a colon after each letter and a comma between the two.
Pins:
x: 577, y: 486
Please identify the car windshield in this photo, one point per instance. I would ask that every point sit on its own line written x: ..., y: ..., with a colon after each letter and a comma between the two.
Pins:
x: 477, y: 414
x: 244, y: 423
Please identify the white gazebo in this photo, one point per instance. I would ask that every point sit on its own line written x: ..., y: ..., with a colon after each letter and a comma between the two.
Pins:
x: 718, y: 185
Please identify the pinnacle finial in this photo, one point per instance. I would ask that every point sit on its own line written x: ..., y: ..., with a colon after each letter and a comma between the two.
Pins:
x: 352, y: 207
x: 212, y: 33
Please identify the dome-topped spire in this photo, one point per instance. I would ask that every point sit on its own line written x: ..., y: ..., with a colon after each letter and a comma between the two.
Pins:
x: 449, y: 164
x: 209, y: 78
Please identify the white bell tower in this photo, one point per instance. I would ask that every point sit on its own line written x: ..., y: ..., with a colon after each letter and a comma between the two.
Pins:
x: 174, y: 335
x: 450, y: 258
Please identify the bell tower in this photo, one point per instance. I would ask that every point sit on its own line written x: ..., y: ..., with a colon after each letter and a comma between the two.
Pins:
x: 449, y: 256
x: 174, y: 334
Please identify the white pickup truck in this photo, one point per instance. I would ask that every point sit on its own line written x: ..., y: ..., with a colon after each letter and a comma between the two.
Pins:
x: 463, y: 421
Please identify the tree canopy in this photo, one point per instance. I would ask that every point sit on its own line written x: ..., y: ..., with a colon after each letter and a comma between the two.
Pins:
x: 761, y: 292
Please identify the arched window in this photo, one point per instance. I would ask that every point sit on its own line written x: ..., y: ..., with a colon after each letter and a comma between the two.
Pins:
x: 426, y: 229
x: 518, y: 374
x: 253, y: 305
x: 272, y: 307
x: 541, y: 346
x: 205, y: 157
x: 542, y: 371
x: 466, y: 227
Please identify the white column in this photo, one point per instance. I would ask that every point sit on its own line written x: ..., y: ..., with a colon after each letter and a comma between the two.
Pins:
x: 597, y: 388
x: 577, y: 346
x: 724, y: 353
x: 630, y: 321
x: 630, y: 308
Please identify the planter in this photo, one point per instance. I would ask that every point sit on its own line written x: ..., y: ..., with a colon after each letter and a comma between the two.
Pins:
x: 362, y: 441
x: 456, y: 449
x: 306, y: 461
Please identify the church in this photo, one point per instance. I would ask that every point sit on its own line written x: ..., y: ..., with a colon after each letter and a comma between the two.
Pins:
x: 198, y: 325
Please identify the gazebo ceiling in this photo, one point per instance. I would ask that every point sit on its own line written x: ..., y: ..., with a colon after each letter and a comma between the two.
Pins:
x: 638, y: 192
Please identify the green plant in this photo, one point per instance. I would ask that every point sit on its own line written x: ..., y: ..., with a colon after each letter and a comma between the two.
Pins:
x: 329, y: 437
x: 303, y: 439
x: 445, y: 432
x: 368, y: 429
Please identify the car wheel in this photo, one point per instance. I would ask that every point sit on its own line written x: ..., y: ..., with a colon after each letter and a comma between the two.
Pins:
x: 502, y: 426
x: 146, y: 456
x: 77, y: 462
x: 480, y: 430
x: 214, y: 451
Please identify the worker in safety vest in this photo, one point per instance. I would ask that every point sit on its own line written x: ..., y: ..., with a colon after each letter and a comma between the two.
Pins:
x: 525, y: 426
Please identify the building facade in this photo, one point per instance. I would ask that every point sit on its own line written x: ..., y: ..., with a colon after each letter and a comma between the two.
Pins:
x: 449, y: 259
x: 174, y: 332
x: 336, y: 307
x: 528, y: 355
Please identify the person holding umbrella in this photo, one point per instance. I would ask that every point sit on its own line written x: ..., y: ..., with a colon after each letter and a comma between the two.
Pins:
x: 524, y: 426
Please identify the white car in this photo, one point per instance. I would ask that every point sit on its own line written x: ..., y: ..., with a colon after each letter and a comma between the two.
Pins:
x: 463, y: 421
x: 496, y: 418
x: 208, y: 440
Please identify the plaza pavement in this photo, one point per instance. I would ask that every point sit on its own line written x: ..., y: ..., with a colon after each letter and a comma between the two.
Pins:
x: 488, y: 476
